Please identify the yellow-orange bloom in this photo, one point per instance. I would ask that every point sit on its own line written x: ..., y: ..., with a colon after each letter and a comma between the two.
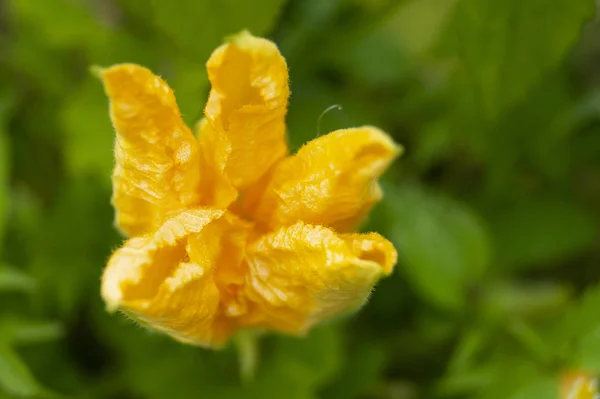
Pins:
x: 227, y: 231
x: 578, y: 385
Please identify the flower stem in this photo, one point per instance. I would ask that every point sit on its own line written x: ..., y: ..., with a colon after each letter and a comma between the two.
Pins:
x: 247, y: 347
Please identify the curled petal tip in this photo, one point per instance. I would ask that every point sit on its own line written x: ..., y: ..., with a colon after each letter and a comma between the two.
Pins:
x: 123, y: 76
x: 112, y: 304
x: 111, y: 290
x: 383, y: 139
x: 372, y: 247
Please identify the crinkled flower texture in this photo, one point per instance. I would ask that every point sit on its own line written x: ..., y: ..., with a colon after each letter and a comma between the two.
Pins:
x: 229, y: 232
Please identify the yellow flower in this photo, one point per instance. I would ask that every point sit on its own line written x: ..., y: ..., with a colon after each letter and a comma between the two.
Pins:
x: 578, y: 385
x: 228, y: 231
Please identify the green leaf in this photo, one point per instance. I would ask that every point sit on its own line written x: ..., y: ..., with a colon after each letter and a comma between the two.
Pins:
x: 503, y: 48
x: 531, y: 135
x: 189, y: 81
x: 537, y: 388
x: 68, y: 253
x: 417, y: 24
x: 298, y: 366
x: 4, y: 164
x: 577, y: 335
x: 89, y: 133
x: 443, y: 247
x: 15, y: 377
x: 468, y: 348
x: 12, y: 279
x: 362, y: 367
x: 77, y: 24
x: 586, y: 355
x: 464, y: 382
x: 536, y: 233
x: 33, y: 57
x: 21, y: 331
x: 502, y: 375
x: 310, y: 100
x: 502, y: 300
x: 197, y: 28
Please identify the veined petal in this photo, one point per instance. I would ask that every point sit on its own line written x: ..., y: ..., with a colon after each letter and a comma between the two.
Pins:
x: 183, y: 279
x: 331, y: 181
x: 246, y: 109
x: 157, y: 158
x: 303, y: 274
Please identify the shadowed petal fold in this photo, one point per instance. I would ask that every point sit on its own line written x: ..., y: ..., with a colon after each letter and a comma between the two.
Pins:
x: 303, y: 274
x: 246, y: 109
x: 182, y: 280
x: 157, y: 158
x: 331, y: 181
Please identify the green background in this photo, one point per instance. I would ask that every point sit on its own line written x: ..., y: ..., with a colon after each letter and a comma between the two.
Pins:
x: 494, y: 207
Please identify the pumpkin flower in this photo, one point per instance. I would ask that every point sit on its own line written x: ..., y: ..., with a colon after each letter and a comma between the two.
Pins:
x: 227, y: 230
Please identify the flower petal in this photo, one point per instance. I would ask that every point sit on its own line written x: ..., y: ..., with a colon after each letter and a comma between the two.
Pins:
x: 157, y: 157
x: 303, y: 274
x: 217, y: 189
x: 331, y: 181
x: 246, y: 109
x: 183, y: 279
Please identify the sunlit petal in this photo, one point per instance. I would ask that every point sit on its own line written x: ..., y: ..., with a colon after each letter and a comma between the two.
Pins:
x: 157, y: 158
x: 331, y: 181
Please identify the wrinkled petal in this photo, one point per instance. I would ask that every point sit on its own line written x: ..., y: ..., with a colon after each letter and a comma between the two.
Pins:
x: 184, y: 279
x: 303, y: 274
x: 218, y: 191
x: 331, y: 181
x: 157, y: 170
x: 246, y: 109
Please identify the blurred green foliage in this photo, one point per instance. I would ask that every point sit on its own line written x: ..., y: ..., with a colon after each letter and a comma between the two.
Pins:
x: 494, y: 209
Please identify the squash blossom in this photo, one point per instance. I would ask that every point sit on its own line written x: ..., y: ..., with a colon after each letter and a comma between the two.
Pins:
x: 227, y: 230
